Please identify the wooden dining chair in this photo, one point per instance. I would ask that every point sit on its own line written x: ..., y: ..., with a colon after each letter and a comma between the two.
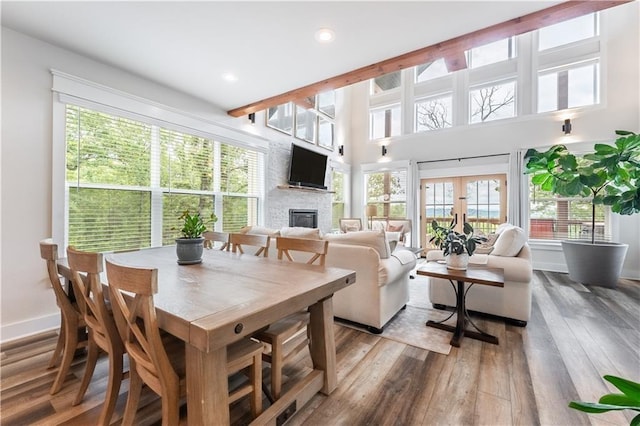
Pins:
x: 288, y: 336
x: 237, y: 240
x: 211, y: 237
x: 71, y: 319
x: 156, y: 358
x: 86, y: 268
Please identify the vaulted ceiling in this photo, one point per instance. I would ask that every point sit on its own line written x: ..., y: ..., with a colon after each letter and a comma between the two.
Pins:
x: 268, y: 46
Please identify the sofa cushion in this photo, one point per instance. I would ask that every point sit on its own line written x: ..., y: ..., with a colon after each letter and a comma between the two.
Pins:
x: 377, y: 240
x: 509, y: 242
x: 300, y: 232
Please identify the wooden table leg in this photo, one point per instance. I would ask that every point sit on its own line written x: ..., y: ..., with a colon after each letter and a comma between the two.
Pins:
x: 323, y: 345
x: 207, y: 387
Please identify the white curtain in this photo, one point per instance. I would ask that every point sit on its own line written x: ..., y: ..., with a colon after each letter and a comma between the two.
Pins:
x: 518, y: 188
x: 413, y: 195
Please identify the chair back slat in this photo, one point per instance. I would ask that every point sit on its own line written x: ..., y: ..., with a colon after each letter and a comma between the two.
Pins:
x: 49, y: 252
x: 132, y: 291
x: 319, y: 248
x: 86, y: 268
x: 210, y: 237
x: 237, y: 240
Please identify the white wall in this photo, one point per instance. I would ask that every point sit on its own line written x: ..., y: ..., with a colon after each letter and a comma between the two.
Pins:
x: 620, y: 110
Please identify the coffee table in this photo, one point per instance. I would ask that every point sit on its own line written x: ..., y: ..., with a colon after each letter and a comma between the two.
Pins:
x: 473, y: 275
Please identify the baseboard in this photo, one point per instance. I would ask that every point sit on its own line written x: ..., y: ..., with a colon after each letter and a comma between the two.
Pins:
x: 629, y: 274
x: 23, y: 329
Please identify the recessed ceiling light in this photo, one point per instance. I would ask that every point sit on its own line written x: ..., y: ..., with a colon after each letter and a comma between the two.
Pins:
x: 229, y: 77
x: 325, y: 35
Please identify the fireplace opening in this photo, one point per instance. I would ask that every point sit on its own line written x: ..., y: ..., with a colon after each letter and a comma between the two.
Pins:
x: 303, y: 218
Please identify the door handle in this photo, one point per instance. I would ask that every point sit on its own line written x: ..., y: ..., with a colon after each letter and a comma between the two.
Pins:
x: 464, y: 218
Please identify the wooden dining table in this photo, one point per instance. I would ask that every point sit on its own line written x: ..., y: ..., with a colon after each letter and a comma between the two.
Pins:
x: 230, y: 296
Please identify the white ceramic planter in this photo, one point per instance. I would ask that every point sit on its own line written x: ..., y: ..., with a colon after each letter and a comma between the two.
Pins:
x: 457, y: 261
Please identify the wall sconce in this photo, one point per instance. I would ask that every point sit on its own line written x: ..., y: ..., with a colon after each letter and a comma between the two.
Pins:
x: 566, y: 127
x: 384, y: 150
x: 341, y: 150
x: 252, y: 118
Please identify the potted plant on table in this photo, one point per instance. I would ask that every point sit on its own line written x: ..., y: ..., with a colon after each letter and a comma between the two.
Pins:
x: 456, y: 247
x: 610, y: 176
x: 190, y: 246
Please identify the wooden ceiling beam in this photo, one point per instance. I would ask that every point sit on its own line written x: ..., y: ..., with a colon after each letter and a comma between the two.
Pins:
x: 452, y: 50
x: 456, y: 62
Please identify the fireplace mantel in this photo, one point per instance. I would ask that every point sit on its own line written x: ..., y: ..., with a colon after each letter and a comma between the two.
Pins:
x: 306, y: 188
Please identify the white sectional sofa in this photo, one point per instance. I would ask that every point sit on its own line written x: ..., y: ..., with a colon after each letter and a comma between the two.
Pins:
x: 513, y: 302
x: 382, y: 278
x: 382, y: 275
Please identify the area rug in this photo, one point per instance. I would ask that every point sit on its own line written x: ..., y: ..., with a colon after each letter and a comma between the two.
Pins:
x: 408, y: 326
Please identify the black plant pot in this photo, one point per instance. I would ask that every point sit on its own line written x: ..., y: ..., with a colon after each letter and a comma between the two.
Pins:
x: 189, y: 250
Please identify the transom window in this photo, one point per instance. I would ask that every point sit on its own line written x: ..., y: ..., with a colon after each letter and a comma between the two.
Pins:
x: 571, y: 86
x: 576, y: 29
x: 492, y: 53
x: 310, y: 119
x: 434, y: 113
x: 384, y: 122
x: 386, y: 82
x: 499, y: 82
x: 430, y: 70
x: 492, y: 102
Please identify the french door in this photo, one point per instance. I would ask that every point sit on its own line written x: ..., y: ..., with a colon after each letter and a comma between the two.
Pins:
x: 479, y: 200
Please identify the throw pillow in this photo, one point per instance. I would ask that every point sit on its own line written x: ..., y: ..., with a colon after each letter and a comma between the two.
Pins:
x: 374, y: 239
x: 393, y: 238
x: 487, y: 246
x: 509, y: 242
x: 502, y: 227
x: 396, y: 228
x: 351, y: 228
x: 300, y: 232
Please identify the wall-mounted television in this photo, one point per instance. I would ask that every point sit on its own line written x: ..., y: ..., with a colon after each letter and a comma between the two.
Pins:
x: 307, y: 167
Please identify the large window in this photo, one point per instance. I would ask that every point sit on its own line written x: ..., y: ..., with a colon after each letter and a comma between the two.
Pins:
x: 388, y: 192
x: 560, y: 218
x: 338, y: 205
x: 552, y: 217
x: 129, y: 181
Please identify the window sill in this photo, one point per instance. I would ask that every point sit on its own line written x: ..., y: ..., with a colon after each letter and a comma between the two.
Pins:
x: 551, y: 245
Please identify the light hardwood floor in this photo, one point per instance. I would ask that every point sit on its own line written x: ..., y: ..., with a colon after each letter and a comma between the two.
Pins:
x: 576, y: 335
